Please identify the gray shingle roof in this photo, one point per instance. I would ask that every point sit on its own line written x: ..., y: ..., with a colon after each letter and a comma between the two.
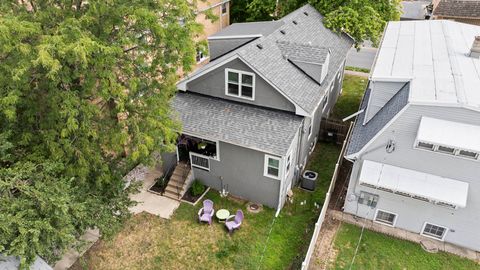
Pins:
x: 241, y: 124
x: 458, y: 8
x: 362, y: 134
x: 250, y: 28
x: 13, y: 263
x: 271, y: 64
x: 303, y: 52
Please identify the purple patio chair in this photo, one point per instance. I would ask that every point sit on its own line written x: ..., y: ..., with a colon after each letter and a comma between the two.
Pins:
x: 235, y: 223
x: 205, y: 213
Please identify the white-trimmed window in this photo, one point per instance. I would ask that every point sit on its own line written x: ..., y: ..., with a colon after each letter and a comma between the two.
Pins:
x: 434, y: 231
x: 288, y: 163
x: 426, y: 146
x: 325, y: 101
x: 239, y: 84
x: 310, y: 131
x: 449, y: 150
x: 272, y: 167
x: 385, y: 217
x: 224, y: 8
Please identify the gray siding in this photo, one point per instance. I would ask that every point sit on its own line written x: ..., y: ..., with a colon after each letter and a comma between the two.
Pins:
x: 412, y: 214
x: 319, y: 113
x: 381, y: 93
x: 213, y: 84
x: 219, y: 47
x: 242, y: 171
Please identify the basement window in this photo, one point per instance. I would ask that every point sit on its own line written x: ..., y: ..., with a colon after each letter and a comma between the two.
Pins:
x: 434, y: 231
x: 386, y: 218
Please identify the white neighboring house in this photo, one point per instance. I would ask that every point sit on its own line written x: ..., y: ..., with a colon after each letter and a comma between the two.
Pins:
x: 416, y: 143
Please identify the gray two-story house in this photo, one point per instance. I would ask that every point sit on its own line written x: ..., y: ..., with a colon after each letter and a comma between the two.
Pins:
x: 251, y: 116
x: 415, y: 145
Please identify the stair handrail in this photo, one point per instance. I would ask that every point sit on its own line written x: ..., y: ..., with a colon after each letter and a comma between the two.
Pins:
x: 184, y: 178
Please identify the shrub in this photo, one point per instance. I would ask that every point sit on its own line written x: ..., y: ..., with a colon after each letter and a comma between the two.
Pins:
x: 197, y: 188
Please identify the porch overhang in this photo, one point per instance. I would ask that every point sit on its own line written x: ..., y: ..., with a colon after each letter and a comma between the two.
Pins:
x: 265, y: 130
x: 412, y: 183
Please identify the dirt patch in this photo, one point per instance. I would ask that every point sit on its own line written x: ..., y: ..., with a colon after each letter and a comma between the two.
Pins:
x: 325, y: 253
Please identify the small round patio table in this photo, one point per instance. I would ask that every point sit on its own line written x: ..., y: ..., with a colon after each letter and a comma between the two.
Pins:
x: 222, y: 215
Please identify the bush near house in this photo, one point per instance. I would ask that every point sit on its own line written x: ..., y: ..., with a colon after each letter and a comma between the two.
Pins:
x: 197, y: 188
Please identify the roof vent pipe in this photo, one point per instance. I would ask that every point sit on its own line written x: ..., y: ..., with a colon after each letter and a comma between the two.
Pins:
x: 475, y: 51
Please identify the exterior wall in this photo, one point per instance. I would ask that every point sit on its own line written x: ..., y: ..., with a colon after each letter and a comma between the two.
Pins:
x: 241, y: 172
x: 334, y: 93
x: 213, y: 84
x: 412, y: 213
x: 209, y: 27
x: 381, y: 93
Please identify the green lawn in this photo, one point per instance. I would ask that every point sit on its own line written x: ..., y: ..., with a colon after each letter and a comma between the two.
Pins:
x: 349, y: 102
x: 379, y: 251
x: 149, y: 242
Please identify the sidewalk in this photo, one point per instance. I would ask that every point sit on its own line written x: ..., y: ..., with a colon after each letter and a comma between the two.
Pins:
x: 71, y: 256
x: 150, y: 202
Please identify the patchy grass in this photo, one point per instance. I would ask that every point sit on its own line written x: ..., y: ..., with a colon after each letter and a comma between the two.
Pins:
x: 379, y: 251
x: 349, y: 102
x: 358, y: 69
x: 149, y: 242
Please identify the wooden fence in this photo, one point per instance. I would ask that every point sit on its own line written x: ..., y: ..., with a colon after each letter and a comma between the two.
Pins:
x: 323, y: 212
x: 333, y: 130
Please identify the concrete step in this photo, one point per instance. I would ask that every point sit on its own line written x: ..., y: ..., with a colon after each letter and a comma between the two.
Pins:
x: 172, y: 196
x: 174, y: 190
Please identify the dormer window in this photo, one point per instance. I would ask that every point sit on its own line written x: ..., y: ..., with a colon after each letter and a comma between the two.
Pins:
x: 239, y: 84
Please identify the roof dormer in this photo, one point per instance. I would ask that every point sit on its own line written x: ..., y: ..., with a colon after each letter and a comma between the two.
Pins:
x: 312, y: 60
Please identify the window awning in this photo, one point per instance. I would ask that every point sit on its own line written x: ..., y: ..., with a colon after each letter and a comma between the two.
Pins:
x: 404, y: 181
x: 447, y: 133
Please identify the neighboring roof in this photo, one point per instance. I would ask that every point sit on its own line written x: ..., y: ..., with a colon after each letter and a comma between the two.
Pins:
x: 414, y: 10
x: 269, y: 62
x: 458, y: 8
x: 249, y: 29
x: 434, y: 56
x: 362, y: 134
x: 414, y: 183
x: 13, y: 263
x: 448, y: 133
x: 267, y: 130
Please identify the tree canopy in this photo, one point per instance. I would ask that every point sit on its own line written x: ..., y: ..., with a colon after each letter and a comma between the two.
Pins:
x: 85, y: 88
x: 361, y: 19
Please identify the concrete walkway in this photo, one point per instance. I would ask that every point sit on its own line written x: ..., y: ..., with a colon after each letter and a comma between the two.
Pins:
x: 406, y: 235
x: 71, y: 256
x: 150, y: 202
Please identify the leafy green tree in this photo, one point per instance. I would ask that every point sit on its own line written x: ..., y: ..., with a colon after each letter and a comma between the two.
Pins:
x: 361, y: 19
x: 85, y: 90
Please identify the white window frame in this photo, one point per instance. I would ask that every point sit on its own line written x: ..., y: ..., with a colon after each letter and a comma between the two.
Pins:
x: 224, y: 4
x: 240, y: 73
x: 456, y: 152
x: 265, y: 167
x: 383, y: 223
x: 288, y: 163
x: 325, y: 101
x: 433, y: 237
x: 310, y: 130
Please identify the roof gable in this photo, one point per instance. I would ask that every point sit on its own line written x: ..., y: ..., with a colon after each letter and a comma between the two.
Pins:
x: 265, y: 57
